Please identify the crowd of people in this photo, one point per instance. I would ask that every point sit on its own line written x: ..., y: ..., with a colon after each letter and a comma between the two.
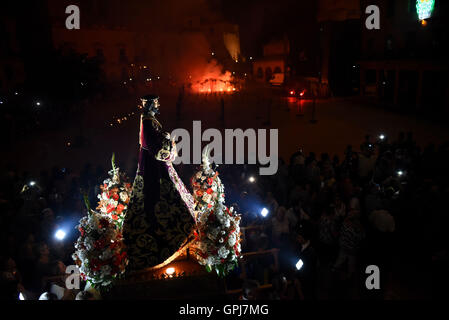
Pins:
x: 39, y: 216
x: 309, y: 231
x: 331, y: 218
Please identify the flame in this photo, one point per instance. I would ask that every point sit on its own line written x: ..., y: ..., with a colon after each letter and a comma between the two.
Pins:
x: 212, y: 79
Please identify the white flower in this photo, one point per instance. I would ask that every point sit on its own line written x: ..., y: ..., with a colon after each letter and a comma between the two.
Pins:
x: 225, y: 222
x: 210, y: 260
x: 232, y: 240
x: 82, y: 255
x: 105, y: 196
x: 82, y: 269
x: 223, y: 252
x: 124, y: 196
x: 89, y: 243
x: 207, y: 197
x: 113, y: 203
x: 106, y: 283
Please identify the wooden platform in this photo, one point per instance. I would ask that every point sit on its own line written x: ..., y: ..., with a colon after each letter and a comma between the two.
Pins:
x: 189, y: 280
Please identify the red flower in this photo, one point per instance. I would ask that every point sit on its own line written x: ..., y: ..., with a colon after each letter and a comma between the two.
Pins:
x: 82, y: 231
x: 99, y: 244
x: 114, y: 217
x: 120, y: 208
x: 110, y: 208
x: 115, y: 196
x: 210, y: 181
x: 199, y: 193
x: 119, y: 258
x: 209, y: 191
x: 103, y: 223
x: 209, y: 205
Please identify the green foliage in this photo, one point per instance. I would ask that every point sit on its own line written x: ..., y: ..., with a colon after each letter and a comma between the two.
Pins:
x: 87, y: 202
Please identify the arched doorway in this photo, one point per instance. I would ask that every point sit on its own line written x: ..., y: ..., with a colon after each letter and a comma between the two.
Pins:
x: 268, y: 74
x: 259, y: 73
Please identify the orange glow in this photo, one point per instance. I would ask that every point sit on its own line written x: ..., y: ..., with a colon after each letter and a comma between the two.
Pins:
x: 214, y: 85
x: 292, y: 93
x: 210, y: 79
x: 170, y: 271
x: 423, y: 23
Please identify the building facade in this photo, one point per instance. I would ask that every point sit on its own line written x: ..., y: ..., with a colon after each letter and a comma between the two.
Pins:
x: 134, y: 41
x: 404, y: 63
x: 274, y: 60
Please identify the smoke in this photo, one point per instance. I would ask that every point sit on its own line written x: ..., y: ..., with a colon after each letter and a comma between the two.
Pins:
x: 188, y: 59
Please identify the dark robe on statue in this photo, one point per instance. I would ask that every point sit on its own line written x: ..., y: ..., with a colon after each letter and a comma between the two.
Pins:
x: 158, y: 220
